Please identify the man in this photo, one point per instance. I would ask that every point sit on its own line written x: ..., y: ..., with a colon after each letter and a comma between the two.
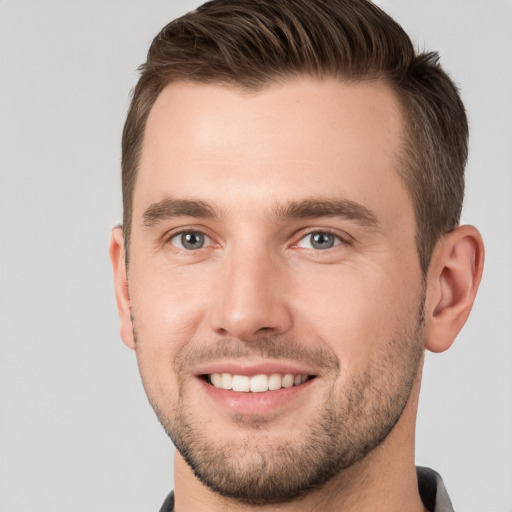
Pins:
x: 292, y: 183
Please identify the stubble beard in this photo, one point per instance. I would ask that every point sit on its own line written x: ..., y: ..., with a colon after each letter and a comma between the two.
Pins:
x: 355, y: 417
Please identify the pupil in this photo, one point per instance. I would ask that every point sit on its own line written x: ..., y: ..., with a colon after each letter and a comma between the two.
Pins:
x: 192, y: 240
x: 322, y: 240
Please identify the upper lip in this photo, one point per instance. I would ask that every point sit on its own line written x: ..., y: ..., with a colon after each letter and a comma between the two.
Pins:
x: 251, y: 368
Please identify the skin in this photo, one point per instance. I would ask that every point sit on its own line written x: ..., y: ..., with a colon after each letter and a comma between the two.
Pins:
x: 248, y: 156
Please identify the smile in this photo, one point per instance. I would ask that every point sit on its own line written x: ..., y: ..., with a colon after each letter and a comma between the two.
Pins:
x: 257, y: 383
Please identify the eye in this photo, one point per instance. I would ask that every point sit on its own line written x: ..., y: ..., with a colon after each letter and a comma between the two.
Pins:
x: 190, y: 240
x: 319, y: 240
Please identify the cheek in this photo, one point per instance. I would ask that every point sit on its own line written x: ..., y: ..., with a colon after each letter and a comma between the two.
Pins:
x: 356, y: 311
x: 166, y: 308
x: 166, y: 301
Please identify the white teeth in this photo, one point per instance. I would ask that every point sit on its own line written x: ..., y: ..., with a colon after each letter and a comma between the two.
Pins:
x: 288, y: 381
x: 216, y: 380
x: 274, y: 382
x: 257, y: 383
x: 226, y: 381
x: 241, y: 383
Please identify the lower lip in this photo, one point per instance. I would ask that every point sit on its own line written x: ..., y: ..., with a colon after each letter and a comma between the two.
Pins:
x: 255, y: 403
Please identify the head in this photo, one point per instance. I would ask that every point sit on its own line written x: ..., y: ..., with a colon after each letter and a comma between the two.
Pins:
x: 252, y: 45
x: 292, y: 183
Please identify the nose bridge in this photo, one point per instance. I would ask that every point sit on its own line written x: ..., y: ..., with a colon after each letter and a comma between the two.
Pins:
x: 252, y: 300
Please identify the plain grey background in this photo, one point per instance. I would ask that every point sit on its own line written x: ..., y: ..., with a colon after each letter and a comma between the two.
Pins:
x: 76, y: 432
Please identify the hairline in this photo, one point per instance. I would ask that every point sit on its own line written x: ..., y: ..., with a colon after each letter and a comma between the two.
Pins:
x: 402, y: 158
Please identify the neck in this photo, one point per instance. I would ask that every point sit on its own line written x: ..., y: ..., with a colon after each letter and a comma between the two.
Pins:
x: 384, y: 481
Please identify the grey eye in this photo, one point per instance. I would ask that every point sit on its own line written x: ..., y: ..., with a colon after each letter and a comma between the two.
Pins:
x: 190, y: 240
x: 319, y: 240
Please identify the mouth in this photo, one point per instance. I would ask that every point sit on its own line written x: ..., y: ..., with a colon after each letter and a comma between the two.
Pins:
x: 260, y: 383
x: 266, y: 389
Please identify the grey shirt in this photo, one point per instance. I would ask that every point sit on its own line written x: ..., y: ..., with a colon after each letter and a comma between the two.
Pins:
x: 430, y: 484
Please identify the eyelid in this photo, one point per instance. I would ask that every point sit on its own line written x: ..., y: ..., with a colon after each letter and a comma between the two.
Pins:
x: 343, y: 238
x: 168, y: 237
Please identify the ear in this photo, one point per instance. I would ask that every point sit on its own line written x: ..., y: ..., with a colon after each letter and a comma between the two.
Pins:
x: 116, y: 251
x: 453, y: 278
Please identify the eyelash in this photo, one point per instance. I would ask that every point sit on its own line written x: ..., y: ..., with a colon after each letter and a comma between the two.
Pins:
x: 339, y: 240
x: 184, y: 232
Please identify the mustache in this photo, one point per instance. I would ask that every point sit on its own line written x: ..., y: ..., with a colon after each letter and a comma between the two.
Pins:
x: 270, y: 347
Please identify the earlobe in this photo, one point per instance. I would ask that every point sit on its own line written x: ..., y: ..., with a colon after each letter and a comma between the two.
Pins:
x: 454, y: 275
x: 117, y: 258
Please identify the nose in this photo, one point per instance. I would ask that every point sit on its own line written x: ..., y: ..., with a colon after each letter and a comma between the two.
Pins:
x: 252, y: 299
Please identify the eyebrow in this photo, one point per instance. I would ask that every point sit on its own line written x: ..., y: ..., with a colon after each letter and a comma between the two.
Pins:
x: 170, y: 208
x: 314, y: 208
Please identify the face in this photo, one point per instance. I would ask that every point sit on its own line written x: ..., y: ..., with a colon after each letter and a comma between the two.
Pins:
x: 274, y: 280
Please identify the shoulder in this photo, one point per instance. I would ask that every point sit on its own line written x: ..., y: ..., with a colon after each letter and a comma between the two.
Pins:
x: 432, y: 490
x: 168, y: 505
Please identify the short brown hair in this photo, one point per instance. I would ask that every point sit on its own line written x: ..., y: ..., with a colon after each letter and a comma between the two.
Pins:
x: 255, y: 43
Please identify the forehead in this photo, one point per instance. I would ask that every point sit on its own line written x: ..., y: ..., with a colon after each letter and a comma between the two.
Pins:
x: 300, y: 138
